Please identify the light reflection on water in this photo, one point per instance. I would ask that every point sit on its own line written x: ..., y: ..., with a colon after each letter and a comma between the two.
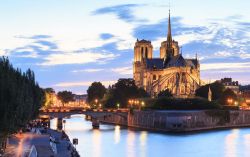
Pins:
x: 114, y: 141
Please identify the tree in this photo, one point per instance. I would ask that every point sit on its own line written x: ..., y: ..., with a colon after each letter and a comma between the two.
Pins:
x: 95, y: 91
x: 49, y: 93
x: 20, y: 97
x: 65, y: 96
x: 228, y: 97
x: 165, y: 93
x: 216, y: 88
x: 122, y: 91
x: 49, y: 90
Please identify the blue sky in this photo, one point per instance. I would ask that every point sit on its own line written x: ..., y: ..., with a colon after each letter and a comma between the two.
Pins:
x: 70, y: 44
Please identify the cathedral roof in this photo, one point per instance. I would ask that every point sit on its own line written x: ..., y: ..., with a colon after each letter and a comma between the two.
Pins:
x: 143, y: 41
x: 177, y: 61
x: 154, y: 63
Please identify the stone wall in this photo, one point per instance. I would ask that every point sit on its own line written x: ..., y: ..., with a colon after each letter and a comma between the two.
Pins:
x: 178, y: 121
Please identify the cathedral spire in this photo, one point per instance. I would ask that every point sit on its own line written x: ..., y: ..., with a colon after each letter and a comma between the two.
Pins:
x: 169, y: 37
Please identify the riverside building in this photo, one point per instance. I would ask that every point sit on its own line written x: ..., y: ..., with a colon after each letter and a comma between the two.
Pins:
x: 170, y: 71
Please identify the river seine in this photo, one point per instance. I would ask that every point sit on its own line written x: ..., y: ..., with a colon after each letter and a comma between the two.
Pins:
x: 117, y: 141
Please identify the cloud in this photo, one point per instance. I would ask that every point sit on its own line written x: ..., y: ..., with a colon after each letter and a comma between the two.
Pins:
x: 106, y: 36
x: 87, y: 70
x: 225, y: 66
x: 48, y: 44
x: 83, y: 83
x: 34, y: 37
x: 123, y: 70
x: 223, y: 41
x: 77, y: 58
x: 3, y: 53
x: 123, y: 12
x: 40, y: 37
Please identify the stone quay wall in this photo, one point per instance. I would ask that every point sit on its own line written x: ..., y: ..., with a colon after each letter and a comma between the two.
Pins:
x: 182, y: 121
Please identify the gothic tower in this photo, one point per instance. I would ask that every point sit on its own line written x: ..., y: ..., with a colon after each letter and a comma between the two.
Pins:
x: 169, y: 48
x: 143, y: 50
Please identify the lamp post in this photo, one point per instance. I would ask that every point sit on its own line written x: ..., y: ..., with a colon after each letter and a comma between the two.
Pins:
x: 230, y: 101
x: 96, y: 101
x: 118, y: 105
x: 236, y: 103
x: 142, y: 104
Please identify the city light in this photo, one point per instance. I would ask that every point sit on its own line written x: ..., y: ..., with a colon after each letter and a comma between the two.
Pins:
x: 230, y: 101
x: 236, y: 103
x: 96, y: 101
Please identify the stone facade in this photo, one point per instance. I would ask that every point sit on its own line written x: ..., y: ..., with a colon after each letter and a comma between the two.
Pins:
x: 182, y: 121
x: 171, y: 71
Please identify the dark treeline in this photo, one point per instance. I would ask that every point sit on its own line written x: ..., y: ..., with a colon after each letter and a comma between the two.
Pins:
x: 20, y: 97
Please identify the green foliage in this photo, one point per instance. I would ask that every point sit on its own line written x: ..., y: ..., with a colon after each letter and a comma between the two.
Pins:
x: 216, y: 88
x: 49, y: 93
x: 65, y: 96
x: 20, y: 97
x: 228, y: 94
x: 165, y: 93
x: 49, y: 90
x: 121, y: 92
x: 96, y: 91
x: 165, y: 103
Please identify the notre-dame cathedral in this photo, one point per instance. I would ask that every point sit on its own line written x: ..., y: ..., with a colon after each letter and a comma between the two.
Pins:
x: 170, y: 71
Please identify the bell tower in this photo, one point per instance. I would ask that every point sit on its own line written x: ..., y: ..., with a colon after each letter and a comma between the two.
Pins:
x: 143, y: 50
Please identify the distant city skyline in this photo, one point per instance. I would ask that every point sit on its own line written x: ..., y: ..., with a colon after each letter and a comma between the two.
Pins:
x: 71, y: 44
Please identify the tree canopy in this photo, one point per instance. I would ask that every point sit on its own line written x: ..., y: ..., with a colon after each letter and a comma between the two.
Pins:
x: 228, y: 97
x: 49, y: 93
x: 167, y: 103
x: 122, y: 91
x: 20, y: 97
x: 65, y: 96
x: 216, y: 88
x: 96, y: 91
x: 165, y: 93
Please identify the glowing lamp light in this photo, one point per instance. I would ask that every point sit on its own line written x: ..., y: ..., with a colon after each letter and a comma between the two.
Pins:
x: 247, y: 100
x: 236, y: 103
x: 230, y: 101
x: 96, y: 100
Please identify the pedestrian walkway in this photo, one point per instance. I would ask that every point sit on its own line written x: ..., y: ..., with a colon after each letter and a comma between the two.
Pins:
x: 21, y: 144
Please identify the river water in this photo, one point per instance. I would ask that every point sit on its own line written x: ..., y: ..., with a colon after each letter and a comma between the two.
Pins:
x: 117, y: 141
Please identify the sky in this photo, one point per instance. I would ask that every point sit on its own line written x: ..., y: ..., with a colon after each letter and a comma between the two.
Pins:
x: 71, y: 43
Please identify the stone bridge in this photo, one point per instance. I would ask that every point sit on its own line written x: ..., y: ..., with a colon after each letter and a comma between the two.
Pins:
x: 94, y: 114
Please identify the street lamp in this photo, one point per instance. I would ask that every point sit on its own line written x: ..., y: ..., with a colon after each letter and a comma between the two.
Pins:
x: 96, y: 101
x: 118, y: 105
x: 236, y: 103
x: 230, y: 101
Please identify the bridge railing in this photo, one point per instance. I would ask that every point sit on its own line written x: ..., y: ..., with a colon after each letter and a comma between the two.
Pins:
x: 53, y: 110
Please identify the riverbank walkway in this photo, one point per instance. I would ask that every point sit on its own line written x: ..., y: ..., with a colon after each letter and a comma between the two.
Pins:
x: 20, y: 145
